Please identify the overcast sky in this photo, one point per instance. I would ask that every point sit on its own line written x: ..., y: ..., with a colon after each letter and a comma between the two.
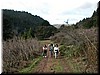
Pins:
x: 55, y: 11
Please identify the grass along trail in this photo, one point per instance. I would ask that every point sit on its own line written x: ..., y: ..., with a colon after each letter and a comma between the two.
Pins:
x: 49, y: 64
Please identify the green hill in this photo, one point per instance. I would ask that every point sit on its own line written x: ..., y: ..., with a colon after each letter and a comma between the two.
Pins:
x: 88, y: 22
x: 21, y: 23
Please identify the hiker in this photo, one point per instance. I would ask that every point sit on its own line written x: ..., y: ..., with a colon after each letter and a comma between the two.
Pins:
x: 45, y: 51
x: 51, y: 49
x: 56, y: 50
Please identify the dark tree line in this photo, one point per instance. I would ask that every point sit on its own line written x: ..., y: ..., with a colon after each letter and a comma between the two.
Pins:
x: 88, y: 22
x: 24, y: 24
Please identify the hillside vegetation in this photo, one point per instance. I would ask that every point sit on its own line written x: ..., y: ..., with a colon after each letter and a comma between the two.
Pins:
x: 89, y: 21
x: 26, y: 25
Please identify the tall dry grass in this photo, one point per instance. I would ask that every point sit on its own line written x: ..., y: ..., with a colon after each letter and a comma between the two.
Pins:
x: 91, y: 49
x: 86, y: 43
x: 17, y: 53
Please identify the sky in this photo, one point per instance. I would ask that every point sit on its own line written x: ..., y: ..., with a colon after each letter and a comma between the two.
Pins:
x: 55, y: 11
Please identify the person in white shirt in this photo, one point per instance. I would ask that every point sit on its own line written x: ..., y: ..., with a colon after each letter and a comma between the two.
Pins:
x: 56, y: 50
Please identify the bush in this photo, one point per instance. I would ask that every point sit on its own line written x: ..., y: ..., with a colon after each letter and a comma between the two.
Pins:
x: 17, y: 52
x: 84, y: 44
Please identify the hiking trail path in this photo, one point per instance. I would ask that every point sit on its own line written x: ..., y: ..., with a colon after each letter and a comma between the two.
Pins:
x: 52, y: 65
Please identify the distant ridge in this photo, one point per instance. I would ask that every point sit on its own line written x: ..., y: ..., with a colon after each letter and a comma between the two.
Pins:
x: 25, y: 24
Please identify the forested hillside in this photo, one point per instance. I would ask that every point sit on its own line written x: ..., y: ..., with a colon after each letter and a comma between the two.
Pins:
x: 89, y: 21
x: 21, y: 23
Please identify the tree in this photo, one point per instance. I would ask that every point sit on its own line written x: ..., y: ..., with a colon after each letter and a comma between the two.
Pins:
x: 7, y: 28
x: 45, y: 23
x: 25, y: 24
x: 28, y: 34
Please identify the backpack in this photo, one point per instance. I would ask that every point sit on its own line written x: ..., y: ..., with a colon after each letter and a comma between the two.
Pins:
x: 51, y: 48
x: 56, y: 49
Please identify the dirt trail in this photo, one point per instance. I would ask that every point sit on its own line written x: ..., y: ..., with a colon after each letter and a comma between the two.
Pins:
x: 45, y: 65
x: 52, y: 65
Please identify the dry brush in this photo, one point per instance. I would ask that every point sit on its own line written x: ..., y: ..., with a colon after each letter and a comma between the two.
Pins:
x: 85, y: 45
x: 18, y: 53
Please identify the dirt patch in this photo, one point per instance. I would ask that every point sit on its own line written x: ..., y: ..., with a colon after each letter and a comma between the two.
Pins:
x: 52, y: 65
x: 45, y: 66
x: 41, y: 66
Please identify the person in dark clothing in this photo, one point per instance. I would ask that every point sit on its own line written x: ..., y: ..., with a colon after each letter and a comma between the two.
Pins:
x: 45, y: 51
x: 51, y: 49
